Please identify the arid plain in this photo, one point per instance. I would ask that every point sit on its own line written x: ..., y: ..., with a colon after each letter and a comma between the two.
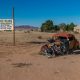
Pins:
x: 23, y: 62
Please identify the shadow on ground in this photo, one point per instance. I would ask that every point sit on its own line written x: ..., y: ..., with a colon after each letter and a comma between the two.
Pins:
x: 21, y: 65
x: 36, y: 42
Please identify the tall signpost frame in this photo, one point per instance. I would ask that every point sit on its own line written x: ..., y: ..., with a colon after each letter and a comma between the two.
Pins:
x: 13, y: 26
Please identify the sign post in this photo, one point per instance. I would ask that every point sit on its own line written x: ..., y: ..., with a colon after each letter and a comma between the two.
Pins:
x: 13, y: 26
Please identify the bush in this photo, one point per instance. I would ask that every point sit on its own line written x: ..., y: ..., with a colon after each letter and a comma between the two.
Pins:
x: 26, y: 31
x: 39, y: 37
x: 76, y: 32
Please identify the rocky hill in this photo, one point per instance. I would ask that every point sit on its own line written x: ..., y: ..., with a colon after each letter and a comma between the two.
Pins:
x: 25, y: 27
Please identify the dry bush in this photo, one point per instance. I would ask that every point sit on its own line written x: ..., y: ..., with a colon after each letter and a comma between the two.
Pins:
x: 26, y: 31
x: 76, y: 32
x: 39, y: 37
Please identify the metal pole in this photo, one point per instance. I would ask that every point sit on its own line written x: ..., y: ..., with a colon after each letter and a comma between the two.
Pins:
x: 13, y: 23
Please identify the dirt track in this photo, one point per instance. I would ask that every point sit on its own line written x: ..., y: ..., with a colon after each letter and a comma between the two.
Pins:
x: 24, y: 63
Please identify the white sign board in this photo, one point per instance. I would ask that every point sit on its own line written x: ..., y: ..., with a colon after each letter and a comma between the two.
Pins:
x: 6, y: 24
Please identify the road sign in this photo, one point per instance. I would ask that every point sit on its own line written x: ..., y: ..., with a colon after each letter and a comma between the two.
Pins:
x: 6, y: 24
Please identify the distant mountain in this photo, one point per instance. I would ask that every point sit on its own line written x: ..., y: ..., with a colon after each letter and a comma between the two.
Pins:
x: 25, y: 27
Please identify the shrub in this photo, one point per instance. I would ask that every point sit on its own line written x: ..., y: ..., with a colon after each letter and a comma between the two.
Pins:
x: 39, y: 37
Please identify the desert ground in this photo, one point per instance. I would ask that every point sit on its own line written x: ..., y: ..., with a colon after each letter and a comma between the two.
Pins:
x: 23, y: 62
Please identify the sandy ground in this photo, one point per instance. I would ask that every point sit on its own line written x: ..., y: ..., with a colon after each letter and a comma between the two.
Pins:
x: 22, y: 62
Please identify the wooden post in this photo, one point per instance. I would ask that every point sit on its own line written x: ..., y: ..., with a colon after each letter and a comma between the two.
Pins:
x: 13, y: 26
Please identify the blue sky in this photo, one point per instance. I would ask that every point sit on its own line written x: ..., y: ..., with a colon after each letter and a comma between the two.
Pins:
x: 35, y: 12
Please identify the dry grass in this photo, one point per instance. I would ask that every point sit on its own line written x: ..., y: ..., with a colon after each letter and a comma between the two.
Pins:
x: 22, y: 37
